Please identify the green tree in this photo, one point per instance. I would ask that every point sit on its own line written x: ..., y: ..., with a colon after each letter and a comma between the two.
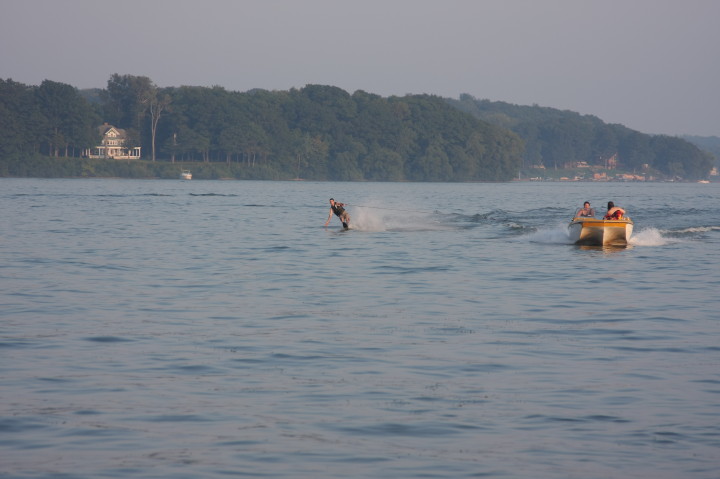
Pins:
x: 679, y: 158
x: 70, y: 121
x: 126, y: 100
x: 432, y: 165
x: 382, y: 164
x: 22, y: 123
x: 635, y: 150
x: 157, y: 103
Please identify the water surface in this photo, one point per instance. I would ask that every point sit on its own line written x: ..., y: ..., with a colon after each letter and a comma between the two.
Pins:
x: 170, y: 329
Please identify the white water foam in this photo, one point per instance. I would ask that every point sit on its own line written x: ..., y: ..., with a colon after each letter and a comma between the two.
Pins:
x: 556, y: 235
x: 560, y: 235
x: 377, y: 219
x: 366, y: 219
x: 651, y: 237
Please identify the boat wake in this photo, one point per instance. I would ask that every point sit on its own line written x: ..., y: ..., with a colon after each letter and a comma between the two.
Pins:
x: 556, y: 235
x: 651, y: 237
x: 657, y: 237
x: 643, y: 237
x: 694, y: 230
x: 376, y: 220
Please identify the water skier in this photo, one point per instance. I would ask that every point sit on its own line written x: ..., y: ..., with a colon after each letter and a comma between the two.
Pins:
x: 338, y: 210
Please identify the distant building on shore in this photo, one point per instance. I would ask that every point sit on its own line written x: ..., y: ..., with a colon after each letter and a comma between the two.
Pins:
x: 112, y: 145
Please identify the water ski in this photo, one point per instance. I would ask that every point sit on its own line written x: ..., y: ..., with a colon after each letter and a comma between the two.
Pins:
x: 345, y: 225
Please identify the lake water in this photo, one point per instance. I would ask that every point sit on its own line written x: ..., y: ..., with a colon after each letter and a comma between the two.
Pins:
x: 211, y: 329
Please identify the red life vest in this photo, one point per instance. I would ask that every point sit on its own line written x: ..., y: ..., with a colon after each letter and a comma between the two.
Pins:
x: 615, y: 216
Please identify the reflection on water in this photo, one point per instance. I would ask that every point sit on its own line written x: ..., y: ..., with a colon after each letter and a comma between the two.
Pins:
x: 605, y: 249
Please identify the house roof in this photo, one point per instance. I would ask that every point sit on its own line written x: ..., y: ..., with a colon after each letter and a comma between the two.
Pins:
x: 105, y: 128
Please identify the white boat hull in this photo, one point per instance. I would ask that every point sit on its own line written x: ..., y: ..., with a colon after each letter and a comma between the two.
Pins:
x: 185, y: 175
x: 598, y: 232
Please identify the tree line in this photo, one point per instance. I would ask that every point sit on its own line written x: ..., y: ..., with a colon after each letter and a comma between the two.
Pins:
x: 51, y: 120
x: 554, y: 137
x: 317, y: 132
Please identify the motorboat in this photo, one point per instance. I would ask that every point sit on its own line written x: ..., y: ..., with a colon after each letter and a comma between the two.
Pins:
x: 185, y: 175
x: 597, y: 232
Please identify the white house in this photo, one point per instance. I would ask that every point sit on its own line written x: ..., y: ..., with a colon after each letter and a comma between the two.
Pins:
x: 112, y: 145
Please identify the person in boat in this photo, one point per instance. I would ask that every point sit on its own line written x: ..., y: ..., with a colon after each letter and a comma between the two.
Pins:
x: 586, y: 210
x: 338, y: 209
x: 614, y: 212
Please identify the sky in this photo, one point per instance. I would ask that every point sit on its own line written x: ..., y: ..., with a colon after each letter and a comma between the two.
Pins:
x: 651, y: 65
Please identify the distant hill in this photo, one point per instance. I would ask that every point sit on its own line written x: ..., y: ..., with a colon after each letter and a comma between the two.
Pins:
x: 711, y: 144
x: 560, y: 138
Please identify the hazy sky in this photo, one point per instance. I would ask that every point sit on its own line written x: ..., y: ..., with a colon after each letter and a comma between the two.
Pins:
x: 652, y: 65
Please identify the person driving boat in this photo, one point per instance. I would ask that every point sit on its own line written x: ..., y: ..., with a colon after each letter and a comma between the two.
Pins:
x: 586, y: 210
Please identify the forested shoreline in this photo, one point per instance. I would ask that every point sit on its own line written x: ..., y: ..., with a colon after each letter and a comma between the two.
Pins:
x: 314, y: 133
x: 555, y: 137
